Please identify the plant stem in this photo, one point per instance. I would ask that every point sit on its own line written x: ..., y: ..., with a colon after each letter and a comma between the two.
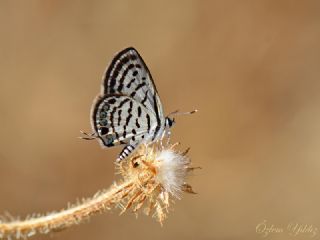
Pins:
x: 65, y: 218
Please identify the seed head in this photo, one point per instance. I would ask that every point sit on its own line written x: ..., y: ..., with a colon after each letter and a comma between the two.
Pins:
x: 158, y: 175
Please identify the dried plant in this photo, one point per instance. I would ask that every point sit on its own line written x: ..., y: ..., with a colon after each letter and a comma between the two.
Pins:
x: 151, y: 179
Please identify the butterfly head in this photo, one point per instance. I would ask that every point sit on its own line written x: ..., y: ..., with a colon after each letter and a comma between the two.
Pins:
x: 169, y: 122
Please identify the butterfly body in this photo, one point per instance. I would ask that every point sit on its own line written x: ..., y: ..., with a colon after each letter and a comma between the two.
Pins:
x: 128, y: 111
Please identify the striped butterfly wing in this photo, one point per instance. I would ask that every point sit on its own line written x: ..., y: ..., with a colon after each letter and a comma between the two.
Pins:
x: 129, y: 110
x: 129, y: 75
x: 119, y: 119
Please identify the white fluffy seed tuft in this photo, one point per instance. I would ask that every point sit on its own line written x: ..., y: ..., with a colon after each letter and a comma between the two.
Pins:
x: 171, y: 171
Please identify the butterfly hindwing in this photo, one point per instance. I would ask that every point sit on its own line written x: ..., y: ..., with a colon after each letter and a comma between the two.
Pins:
x: 119, y: 119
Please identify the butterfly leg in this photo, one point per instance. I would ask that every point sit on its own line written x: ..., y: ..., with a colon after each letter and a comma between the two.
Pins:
x: 88, y: 136
x: 168, y: 135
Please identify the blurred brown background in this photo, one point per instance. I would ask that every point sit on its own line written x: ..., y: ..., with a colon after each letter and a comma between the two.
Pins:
x: 250, y: 67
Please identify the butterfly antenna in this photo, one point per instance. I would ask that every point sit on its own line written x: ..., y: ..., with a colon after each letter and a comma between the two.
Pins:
x: 176, y: 113
x: 88, y: 136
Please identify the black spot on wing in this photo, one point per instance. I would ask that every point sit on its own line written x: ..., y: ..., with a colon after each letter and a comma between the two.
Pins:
x: 128, y: 119
x: 111, y: 100
x: 140, y: 86
x: 157, y: 116
x: 104, y: 130
x: 130, y: 107
x: 119, y: 116
x: 137, y: 123
x: 129, y: 113
x: 148, y: 121
x: 133, y: 57
x: 132, y: 80
x: 133, y: 94
x: 144, y: 99
x: 124, y: 131
x: 123, y: 102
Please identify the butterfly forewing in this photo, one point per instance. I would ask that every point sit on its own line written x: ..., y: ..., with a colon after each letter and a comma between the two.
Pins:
x: 129, y: 75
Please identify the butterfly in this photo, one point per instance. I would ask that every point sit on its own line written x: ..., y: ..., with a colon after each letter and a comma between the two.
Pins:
x: 128, y: 110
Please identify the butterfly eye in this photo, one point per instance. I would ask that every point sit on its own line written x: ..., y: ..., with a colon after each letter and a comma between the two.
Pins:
x: 169, y: 122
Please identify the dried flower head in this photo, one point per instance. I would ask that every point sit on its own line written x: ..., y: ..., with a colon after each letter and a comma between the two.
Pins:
x: 158, y: 174
x: 151, y: 178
